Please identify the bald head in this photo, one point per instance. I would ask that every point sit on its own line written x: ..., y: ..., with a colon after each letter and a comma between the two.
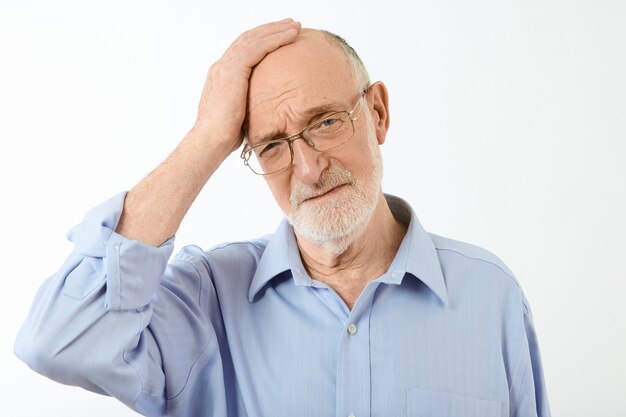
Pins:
x: 336, y: 42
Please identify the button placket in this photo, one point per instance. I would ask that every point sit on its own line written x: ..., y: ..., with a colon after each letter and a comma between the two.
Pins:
x: 353, y: 379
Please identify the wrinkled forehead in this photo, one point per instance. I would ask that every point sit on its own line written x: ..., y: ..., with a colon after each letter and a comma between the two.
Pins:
x: 289, y: 82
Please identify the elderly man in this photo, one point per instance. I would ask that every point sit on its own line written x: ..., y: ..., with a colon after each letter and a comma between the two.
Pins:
x: 349, y: 309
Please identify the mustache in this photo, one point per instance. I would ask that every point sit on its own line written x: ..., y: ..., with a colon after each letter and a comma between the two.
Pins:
x: 330, y: 178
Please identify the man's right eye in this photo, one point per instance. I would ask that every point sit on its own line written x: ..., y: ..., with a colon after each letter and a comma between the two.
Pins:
x: 269, y: 150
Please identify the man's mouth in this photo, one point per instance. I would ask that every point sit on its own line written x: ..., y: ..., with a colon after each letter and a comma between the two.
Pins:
x: 332, y: 191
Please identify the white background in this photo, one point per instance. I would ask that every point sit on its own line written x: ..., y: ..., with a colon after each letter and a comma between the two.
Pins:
x: 508, y: 123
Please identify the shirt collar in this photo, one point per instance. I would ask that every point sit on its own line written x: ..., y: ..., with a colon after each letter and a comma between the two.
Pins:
x: 281, y: 254
x: 416, y: 256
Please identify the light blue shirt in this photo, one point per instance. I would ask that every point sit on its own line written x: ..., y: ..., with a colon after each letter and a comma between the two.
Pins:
x: 242, y: 330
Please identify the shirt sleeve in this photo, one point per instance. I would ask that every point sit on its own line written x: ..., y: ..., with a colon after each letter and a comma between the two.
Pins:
x: 117, y: 319
x: 528, y: 394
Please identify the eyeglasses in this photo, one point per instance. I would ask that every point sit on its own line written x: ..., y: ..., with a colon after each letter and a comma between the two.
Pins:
x: 328, y: 133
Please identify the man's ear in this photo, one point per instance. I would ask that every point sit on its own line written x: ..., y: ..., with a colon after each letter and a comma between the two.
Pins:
x: 378, y: 105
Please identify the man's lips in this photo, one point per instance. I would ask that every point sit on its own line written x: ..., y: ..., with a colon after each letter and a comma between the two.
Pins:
x: 329, y: 192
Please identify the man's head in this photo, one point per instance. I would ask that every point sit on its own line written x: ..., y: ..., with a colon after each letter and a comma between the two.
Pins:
x: 329, y: 196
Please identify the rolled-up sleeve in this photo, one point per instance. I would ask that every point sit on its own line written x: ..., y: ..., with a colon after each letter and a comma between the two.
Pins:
x: 133, y: 270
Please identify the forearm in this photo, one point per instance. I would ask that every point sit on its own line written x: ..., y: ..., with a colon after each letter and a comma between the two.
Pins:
x: 154, y: 209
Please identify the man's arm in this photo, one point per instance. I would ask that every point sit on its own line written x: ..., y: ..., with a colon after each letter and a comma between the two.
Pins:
x: 117, y: 318
x: 154, y: 209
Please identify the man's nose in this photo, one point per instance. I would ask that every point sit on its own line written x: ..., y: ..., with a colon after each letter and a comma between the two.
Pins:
x: 308, y: 163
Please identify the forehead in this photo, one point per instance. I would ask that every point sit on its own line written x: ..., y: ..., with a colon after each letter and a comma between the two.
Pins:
x: 296, y: 78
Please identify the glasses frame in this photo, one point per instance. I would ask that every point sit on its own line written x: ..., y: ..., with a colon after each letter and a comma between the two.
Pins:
x: 353, y: 114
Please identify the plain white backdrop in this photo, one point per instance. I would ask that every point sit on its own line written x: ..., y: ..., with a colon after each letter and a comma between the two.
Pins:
x: 508, y: 130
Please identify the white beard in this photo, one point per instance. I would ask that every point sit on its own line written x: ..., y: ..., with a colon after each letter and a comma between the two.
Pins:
x: 335, y: 222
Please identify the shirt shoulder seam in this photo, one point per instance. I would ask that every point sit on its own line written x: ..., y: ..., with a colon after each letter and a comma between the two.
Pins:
x: 479, y: 259
x: 227, y: 244
x: 508, y: 274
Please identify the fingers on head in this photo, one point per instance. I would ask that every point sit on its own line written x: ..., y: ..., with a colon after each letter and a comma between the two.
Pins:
x: 268, y: 29
x: 251, y: 47
x: 270, y: 43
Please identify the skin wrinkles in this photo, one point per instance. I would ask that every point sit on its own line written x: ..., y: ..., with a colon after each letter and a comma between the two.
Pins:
x: 289, y: 93
x: 287, y: 90
x: 359, y: 260
x: 282, y: 115
x: 301, y: 118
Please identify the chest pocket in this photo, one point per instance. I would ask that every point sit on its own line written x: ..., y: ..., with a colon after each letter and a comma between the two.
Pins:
x: 426, y: 403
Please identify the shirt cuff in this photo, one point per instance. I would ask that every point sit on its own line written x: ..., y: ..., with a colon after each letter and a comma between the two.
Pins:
x: 133, y: 269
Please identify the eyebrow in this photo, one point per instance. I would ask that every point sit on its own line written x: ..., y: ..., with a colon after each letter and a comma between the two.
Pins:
x: 313, y: 113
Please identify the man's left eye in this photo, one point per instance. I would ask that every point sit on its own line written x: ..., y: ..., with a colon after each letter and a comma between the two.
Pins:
x: 328, y: 122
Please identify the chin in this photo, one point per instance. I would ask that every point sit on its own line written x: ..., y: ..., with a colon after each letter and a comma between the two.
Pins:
x: 335, y: 224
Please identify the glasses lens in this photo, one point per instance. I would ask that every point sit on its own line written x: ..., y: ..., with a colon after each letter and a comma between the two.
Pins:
x: 331, y: 131
x: 269, y: 157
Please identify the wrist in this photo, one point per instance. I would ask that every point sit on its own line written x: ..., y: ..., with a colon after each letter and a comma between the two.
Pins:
x: 227, y: 139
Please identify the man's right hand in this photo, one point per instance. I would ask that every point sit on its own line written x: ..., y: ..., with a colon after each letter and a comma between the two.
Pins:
x: 222, y: 107
x: 154, y: 209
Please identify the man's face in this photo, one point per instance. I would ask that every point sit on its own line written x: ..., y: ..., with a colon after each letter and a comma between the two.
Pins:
x: 325, y: 195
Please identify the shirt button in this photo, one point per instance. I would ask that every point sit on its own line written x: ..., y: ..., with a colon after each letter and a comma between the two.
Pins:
x: 352, y: 330
x: 351, y: 415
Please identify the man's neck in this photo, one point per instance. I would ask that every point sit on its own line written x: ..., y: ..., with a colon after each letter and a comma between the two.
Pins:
x: 366, y: 258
